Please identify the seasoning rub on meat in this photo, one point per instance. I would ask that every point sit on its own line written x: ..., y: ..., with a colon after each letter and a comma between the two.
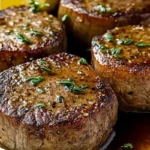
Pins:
x: 88, y: 18
x: 122, y: 57
x: 58, y: 102
x: 26, y: 34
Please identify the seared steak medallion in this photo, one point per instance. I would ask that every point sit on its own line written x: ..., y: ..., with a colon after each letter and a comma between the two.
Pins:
x: 122, y: 56
x: 25, y: 35
x: 88, y: 18
x: 55, y: 103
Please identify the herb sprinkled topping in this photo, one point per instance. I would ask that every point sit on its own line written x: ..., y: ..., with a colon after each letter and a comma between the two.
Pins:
x: 124, y: 41
x: 36, y: 7
x: 100, y: 46
x: 41, y: 62
x: 23, y: 39
x: 67, y: 82
x: 109, y: 37
x: 39, y: 105
x: 104, y: 9
x: 76, y: 89
x: 82, y: 61
x: 65, y: 18
x: 60, y: 99
x: 127, y: 145
x: 35, y: 33
x: 43, y: 68
x: 142, y: 44
x: 70, y: 85
x: 47, y: 70
x: 116, y: 52
x: 35, y: 80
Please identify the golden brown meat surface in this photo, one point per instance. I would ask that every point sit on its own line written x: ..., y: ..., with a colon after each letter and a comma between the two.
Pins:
x: 55, y: 103
x: 88, y: 18
x: 122, y: 56
x: 25, y: 36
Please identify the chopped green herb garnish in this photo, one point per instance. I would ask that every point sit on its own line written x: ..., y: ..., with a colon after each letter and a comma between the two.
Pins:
x: 82, y: 61
x: 127, y: 145
x: 124, y: 41
x: 118, y: 56
x: 46, y: 5
x: 102, y: 8
x: 36, y: 7
x: 67, y: 82
x: 35, y: 33
x: 35, y: 80
x: 65, y: 18
x: 23, y: 39
x: 43, y: 68
x: 70, y: 85
x: 46, y: 70
x: 142, y: 44
x: 41, y: 90
x: 39, y: 105
x: 100, y: 46
x: 41, y: 62
x: 76, y: 89
x: 116, y: 52
x: 83, y: 86
x: 109, y: 37
x: 60, y: 99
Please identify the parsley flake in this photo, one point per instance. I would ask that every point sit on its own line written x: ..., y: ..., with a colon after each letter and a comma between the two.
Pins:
x: 65, y: 18
x: 23, y: 39
x: 100, y: 46
x: 47, y: 70
x: 142, y: 44
x: 127, y: 145
x: 35, y: 80
x: 124, y: 41
x: 82, y: 61
x: 70, y: 85
x: 109, y: 37
x: 36, y: 7
x: 116, y: 52
x: 102, y: 8
x: 60, y: 99
x: 39, y: 105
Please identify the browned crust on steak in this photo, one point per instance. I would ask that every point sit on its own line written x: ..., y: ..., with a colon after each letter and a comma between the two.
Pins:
x: 129, y: 75
x: 82, y: 122
x: 86, y: 21
x: 45, y: 33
